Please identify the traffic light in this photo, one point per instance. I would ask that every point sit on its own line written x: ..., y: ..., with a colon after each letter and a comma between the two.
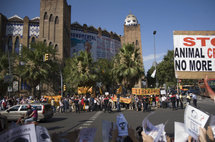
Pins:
x: 64, y: 87
x: 46, y: 57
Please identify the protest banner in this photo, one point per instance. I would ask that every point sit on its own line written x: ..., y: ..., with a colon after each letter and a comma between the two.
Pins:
x: 122, y: 99
x: 194, y: 54
x: 84, y: 90
x: 20, y: 133
x: 56, y: 98
x: 146, y: 91
x: 193, y: 120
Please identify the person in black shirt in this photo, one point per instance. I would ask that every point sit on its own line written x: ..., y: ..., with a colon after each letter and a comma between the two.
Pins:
x: 26, y: 116
x: 77, y: 108
x: 173, y: 100
x: 106, y: 101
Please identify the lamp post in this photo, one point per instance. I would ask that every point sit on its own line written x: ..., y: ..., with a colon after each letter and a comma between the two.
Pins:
x: 155, y: 64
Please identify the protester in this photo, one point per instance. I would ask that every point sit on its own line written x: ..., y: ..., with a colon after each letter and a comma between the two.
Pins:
x: 194, y: 99
x: 33, y: 116
x: 173, y: 100
x: 188, y: 99
x: 53, y: 104
x: 26, y: 116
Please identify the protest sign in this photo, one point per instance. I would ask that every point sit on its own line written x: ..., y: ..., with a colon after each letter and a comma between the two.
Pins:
x: 146, y: 91
x: 212, y: 124
x: 122, y: 99
x: 42, y: 134
x: 87, y: 134
x: 194, y: 54
x: 193, y: 120
x: 107, y: 128
x: 180, y: 133
x: 154, y: 131
x: 122, y: 125
x: 20, y: 133
x: 163, y: 133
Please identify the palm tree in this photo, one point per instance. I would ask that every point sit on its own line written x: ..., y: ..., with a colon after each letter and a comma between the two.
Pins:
x: 128, y: 67
x: 103, y: 69
x: 79, y: 71
x: 4, y: 66
x: 32, y: 67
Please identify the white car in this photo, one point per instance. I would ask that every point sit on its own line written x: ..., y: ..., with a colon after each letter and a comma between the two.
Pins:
x: 44, y: 110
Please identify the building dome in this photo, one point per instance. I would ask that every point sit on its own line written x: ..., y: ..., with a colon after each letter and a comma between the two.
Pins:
x: 131, y: 20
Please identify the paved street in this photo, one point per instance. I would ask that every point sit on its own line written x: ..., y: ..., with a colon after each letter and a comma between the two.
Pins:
x: 65, y: 122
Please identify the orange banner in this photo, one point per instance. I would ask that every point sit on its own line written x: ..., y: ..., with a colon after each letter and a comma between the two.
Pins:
x: 146, y: 91
x: 84, y: 90
x: 122, y: 100
x: 56, y: 98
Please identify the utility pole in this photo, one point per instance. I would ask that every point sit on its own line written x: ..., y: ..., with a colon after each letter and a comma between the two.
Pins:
x: 156, y: 84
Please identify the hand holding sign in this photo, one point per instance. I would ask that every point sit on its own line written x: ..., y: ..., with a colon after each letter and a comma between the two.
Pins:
x: 193, y: 120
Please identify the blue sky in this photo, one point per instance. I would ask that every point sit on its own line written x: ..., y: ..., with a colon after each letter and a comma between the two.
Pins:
x: 164, y: 16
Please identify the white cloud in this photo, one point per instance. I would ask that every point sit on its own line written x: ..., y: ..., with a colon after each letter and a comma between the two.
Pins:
x: 151, y: 57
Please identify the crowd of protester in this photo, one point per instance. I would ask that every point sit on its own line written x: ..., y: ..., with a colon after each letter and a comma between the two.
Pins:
x: 107, y: 103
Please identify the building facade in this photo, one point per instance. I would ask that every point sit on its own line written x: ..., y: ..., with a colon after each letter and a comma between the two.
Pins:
x: 54, y: 27
x: 100, y: 43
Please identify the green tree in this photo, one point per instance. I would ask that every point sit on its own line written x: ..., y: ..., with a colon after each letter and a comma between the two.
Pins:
x: 165, y: 70
x: 32, y: 67
x: 4, y: 70
x: 79, y: 71
x: 151, y: 81
x: 103, y: 70
x: 128, y: 67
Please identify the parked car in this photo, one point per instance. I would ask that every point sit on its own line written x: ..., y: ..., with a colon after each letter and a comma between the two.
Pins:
x: 45, y: 111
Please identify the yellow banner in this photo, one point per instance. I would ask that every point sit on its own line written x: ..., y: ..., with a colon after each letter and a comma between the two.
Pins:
x: 119, y: 90
x: 56, y: 98
x: 122, y: 100
x: 146, y: 91
x: 84, y: 90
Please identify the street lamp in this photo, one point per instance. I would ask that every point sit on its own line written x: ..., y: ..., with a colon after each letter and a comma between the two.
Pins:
x: 155, y: 64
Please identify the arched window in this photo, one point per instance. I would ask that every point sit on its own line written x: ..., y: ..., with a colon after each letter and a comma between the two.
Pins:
x: 44, y: 42
x: 17, y: 45
x: 10, y: 45
x: 45, y: 19
x: 56, y: 48
x: 50, y: 43
x: 55, y: 27
x: 49, y: 26
x: 33, y: 40
x: 56, y: 20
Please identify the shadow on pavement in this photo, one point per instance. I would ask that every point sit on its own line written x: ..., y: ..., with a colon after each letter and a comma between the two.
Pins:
x: 53, y: 128
x: 53, y: 120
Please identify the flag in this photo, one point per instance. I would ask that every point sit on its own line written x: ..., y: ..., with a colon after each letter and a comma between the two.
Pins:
x: 153, y: 74
x: 119, y: 90
x: 100, y: 90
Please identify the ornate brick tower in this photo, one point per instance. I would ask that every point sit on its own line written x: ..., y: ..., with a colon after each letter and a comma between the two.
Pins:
x: 132, y: 35
x: 55, y: 22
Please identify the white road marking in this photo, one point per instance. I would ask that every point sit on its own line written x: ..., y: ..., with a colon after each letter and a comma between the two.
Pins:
x: 90, y: 121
